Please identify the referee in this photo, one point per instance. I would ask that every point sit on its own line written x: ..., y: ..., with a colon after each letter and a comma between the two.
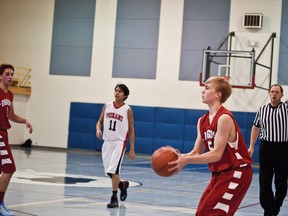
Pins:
x: 271, y: 121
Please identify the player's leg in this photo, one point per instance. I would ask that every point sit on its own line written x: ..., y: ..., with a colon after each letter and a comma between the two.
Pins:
x: 114, y: 167
x: 107, y: 152
x: 106, y: 155
x: 243, y: 181
x: 206, y: 195
x: 225, y: 192
x: 7, y: 168
x: 4, y: 182
x: 113, y: 161
x: 118, y: 183
x: 115, y: 181
x: 114, y: 199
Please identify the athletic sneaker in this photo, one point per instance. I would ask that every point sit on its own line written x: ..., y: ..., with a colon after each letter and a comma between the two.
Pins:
x: 113, y: 203
x: 123, y: 185
x: 4, y: 211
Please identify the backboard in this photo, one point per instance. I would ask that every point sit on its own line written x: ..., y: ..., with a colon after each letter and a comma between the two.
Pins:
x: 239, y: 66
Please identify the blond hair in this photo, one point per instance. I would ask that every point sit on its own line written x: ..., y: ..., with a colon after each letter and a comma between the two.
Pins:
x: 221, y: 85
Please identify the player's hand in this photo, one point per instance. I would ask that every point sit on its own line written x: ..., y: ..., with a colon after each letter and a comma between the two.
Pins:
x: 131, y: 155
x: 251, y: 151
x: 29, y: 126
x: 99, y: 134
x: 178, y: 164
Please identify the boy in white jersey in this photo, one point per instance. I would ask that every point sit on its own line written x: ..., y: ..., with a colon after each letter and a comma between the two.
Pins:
x: 118, y: 124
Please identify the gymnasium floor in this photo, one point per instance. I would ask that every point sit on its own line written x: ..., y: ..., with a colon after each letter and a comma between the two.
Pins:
x: 68, y: 183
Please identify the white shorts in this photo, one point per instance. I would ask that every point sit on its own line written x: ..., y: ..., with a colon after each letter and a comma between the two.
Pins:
x: 112, y: 156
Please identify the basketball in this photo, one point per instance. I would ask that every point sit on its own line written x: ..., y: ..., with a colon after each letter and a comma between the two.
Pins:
x: 160, y: 159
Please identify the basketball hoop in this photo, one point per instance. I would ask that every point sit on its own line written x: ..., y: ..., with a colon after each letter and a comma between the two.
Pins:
x: 235, y: 66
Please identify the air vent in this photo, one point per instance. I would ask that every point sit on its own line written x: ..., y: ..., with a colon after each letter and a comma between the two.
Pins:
x: 253, y: 20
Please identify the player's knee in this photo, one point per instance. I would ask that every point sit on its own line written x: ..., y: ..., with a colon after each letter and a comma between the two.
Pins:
x: 8, y: 174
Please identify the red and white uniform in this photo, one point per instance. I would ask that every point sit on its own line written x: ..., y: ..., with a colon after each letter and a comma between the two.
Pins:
x: 7, y: 163
x: 115, y: 135
x: 231, y: 176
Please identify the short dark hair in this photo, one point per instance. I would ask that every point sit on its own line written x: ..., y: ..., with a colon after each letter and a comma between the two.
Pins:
x: 281, y: 88
x: 5, y: 66
x: 124, y: 88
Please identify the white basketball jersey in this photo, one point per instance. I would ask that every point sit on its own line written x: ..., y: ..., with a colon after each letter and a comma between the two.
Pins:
x: 115, y: 122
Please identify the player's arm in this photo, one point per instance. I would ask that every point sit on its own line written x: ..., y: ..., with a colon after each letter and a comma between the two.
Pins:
x: 99, y: 123
x: 225, y: 128
x: 18, y: 119
x: 131, y: 133
x: 254, y: 136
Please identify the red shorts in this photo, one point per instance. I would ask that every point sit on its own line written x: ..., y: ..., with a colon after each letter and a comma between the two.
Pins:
x: 225, y: 192
x: 7, y: 164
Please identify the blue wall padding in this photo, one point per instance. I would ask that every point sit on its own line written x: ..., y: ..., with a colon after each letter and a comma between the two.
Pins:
x: 154, y: 127
x: 82, y: 126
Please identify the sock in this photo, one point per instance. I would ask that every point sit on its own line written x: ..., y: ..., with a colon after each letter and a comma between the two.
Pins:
x: 114, y: 193
x: 2, y: 196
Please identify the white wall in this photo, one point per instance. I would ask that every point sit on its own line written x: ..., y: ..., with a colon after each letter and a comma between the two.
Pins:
x: 250, y: 100
x: 25, y: 40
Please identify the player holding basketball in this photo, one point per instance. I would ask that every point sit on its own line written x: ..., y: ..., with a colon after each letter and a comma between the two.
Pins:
x: 7, y: 164
x: 226, y: 153
x: 272, y: 124
x: 118, y: 122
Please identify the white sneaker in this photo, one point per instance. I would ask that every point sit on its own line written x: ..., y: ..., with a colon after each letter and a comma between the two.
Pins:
x: 4, y: 211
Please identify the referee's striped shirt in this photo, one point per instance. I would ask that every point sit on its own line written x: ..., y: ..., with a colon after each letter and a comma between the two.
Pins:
x: 273, y: 122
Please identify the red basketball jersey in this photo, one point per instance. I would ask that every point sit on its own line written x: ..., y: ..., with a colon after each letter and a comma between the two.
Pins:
x: 235, y: 154
x: 6, y: 101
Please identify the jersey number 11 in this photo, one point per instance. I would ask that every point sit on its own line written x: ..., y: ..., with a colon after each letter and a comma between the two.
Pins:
x: 112, y: 125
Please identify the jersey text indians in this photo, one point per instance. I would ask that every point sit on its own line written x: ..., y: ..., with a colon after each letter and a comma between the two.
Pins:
x: 115, y: 116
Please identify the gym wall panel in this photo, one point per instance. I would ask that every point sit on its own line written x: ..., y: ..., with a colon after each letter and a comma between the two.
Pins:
x: 136, y: 39
x: 85, y: 110
x: 190, y: 134
x: 204, y: 24
x: 84, y: 141
x: 144, y: 118
x: 206, y: 9
x: 72, y: 37
x: 190, y: 131
x: 82, y: 126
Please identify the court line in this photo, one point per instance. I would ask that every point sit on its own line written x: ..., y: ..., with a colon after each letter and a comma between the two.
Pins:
x: 26, y: 213
x: 44, y: 202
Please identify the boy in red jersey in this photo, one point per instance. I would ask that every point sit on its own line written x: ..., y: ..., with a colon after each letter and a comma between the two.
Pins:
x: 7, y: 164
x: 226, y: 153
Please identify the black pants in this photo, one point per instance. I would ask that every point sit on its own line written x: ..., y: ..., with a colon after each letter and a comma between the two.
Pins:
x: 273, y: 162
